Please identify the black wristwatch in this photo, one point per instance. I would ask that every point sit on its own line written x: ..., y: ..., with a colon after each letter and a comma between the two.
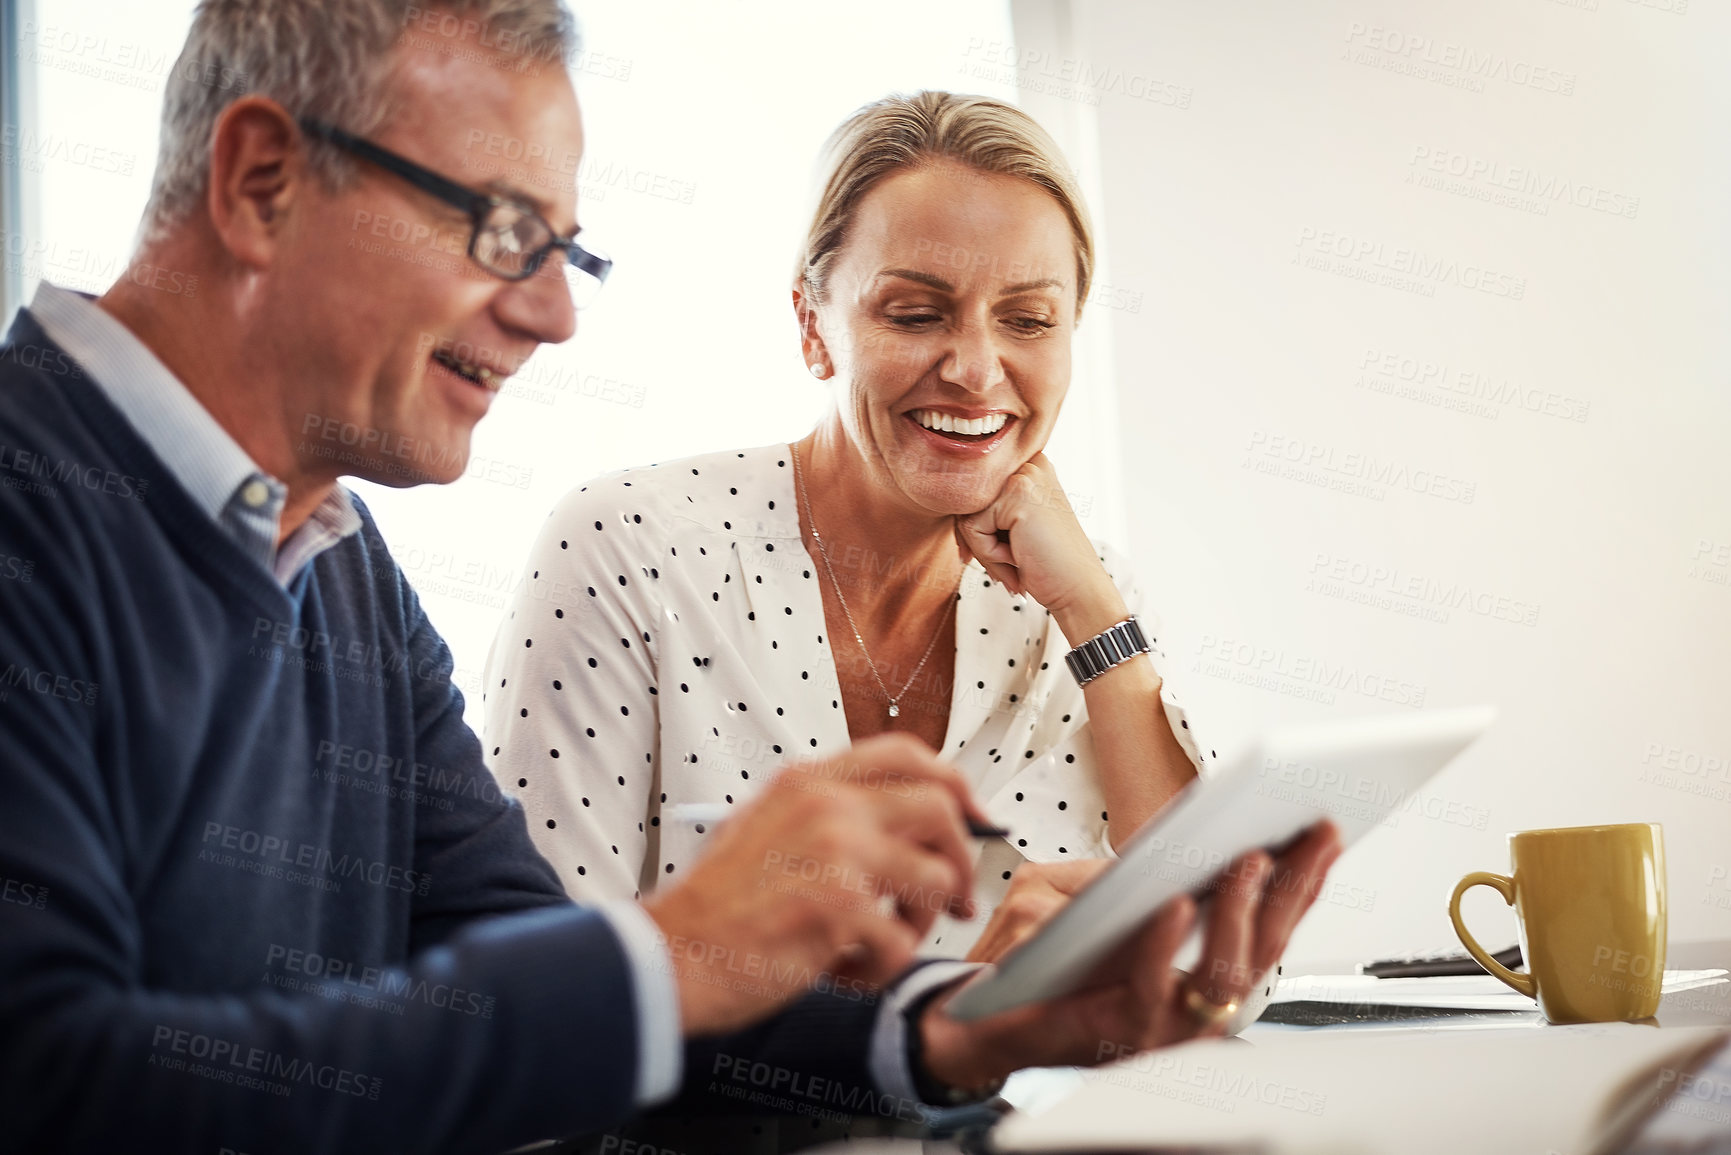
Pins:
x: 926, y: 1088
x: 1111, y: 647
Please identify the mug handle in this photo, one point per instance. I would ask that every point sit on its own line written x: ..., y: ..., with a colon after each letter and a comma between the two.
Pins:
x: 1505, y: 886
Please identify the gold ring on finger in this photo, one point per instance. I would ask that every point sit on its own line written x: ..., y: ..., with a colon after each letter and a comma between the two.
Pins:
x: 1206, y: 1011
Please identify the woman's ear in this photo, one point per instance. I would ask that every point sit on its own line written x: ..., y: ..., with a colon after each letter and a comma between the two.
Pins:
x: 811, y: 343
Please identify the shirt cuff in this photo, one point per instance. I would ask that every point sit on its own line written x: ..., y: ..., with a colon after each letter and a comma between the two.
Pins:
x: 889, y: 1046
x: 660, y: 1048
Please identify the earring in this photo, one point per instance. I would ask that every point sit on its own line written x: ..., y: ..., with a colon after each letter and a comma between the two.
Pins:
x: 818, y: 371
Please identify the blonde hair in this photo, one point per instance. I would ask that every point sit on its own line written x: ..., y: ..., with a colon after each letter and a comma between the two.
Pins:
x: 903, y: 132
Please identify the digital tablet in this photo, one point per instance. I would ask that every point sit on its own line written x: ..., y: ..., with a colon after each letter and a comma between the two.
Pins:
x: 1361, y: 774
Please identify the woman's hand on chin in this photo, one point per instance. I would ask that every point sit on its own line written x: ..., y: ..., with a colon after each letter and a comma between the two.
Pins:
x: 1030, y: 540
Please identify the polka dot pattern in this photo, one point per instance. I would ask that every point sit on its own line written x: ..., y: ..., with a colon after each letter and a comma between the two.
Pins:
x: 702, y: 559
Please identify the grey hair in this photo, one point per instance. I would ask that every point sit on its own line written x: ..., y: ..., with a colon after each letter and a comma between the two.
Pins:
x: 327, y: 59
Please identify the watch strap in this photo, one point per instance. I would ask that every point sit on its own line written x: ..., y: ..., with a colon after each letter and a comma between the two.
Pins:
x: 1110, y: 647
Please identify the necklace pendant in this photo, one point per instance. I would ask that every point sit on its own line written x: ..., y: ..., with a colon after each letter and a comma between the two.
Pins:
x: 895, y: 710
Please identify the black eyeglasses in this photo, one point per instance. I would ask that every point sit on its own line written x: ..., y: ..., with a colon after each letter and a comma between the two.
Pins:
x: 509, y: 239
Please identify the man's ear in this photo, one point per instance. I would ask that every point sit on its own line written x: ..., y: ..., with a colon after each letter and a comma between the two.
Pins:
x: 257, y: 169
x: 811, y: 343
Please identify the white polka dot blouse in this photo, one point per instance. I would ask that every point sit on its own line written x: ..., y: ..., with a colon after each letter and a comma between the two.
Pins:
x: 669, y: 646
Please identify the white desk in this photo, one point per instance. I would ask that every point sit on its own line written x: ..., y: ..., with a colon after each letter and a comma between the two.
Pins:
x: 1709, y: 1103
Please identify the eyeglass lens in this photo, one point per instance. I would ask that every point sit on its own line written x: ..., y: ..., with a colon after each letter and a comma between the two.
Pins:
x: 508, y: 238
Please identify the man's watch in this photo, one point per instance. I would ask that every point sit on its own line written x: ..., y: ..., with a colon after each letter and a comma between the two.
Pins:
x: 1111, y: 647
x: 927, y: 1088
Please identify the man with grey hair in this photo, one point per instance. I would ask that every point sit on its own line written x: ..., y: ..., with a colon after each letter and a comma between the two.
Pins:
x: 258, y: 891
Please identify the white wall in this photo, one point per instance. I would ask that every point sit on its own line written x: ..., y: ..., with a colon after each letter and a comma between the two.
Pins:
x: 1241, y: 146
x: 92, y: 72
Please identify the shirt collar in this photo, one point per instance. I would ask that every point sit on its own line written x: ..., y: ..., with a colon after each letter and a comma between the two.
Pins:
x: 223, y: 480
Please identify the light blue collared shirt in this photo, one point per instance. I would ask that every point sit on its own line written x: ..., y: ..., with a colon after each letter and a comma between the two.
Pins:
x: 248, y: 503
x: 209, y: 463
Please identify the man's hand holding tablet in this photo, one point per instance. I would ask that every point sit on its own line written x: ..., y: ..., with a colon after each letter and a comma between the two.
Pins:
x: 1136, y: 999
x: 1094, y: 978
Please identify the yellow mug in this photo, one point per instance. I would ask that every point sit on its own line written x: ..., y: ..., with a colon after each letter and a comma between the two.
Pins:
x: 1591, y: 905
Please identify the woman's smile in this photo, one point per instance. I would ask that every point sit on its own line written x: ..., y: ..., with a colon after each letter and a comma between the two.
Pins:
x: 961, y: 433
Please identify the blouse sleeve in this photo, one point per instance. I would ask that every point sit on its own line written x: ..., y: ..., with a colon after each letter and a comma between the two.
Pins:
x: 1118, y: 566
x: 571, y: 690
x: 1054, y: 804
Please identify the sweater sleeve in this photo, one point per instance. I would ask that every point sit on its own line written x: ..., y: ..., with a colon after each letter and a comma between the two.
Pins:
x: 841, y: 1049
x: 95, y: 1055
x: 572, y: 690
x: 475, y: 846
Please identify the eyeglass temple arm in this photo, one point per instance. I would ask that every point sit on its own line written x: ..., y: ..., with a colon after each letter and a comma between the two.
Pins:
x: 596, y: 266
x: 448, y: 191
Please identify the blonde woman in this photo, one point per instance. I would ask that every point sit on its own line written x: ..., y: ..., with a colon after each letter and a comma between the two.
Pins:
x: 911, y: 564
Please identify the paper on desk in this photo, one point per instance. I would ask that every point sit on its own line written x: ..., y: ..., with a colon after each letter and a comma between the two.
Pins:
x: 1536, y: 1089
x: 1451, y: 992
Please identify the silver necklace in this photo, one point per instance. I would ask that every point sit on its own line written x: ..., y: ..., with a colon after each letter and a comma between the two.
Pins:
x: 805, y: 501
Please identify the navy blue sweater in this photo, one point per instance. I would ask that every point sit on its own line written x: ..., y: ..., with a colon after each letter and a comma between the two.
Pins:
x: 257, y: 889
